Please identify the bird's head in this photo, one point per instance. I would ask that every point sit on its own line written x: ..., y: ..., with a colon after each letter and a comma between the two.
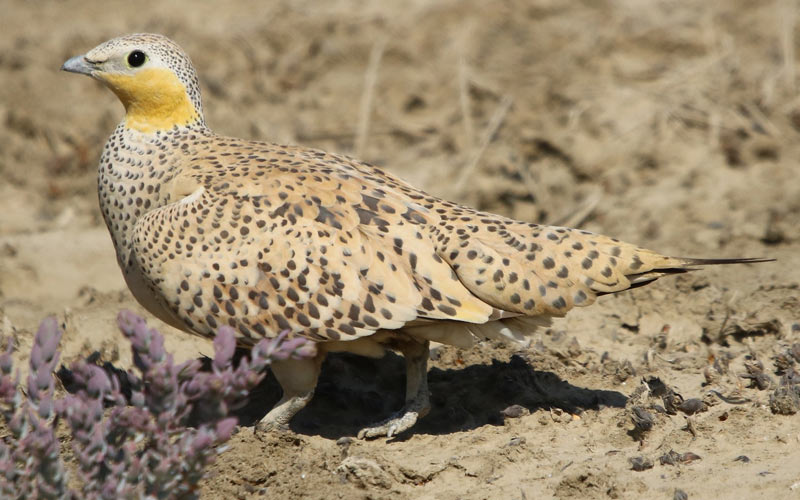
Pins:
x: 151, y: 75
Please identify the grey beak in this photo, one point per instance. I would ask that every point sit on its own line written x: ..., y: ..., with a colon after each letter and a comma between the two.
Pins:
x: 79, y: 64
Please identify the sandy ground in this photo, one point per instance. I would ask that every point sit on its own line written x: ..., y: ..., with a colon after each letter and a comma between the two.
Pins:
x: 674, y: 125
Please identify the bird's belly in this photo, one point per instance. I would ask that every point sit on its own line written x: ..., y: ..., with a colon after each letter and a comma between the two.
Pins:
x: 149, y: 299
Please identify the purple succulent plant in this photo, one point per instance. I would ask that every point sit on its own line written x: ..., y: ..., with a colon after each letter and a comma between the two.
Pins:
x: 141, y: 447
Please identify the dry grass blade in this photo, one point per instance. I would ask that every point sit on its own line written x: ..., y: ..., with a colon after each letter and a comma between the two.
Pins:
x: 580, y: 213
x: 788, y: 16
x: 464, y: 101
x: 491, y: 129
x: 365, y: 110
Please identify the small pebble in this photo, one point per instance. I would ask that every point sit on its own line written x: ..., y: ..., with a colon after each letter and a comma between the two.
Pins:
x: 669, y: 458
x: 785, y: 400
x: 516, y: 441
x: 762, y: 381
x: 658, y: 409
x: 784, y: 361
x: 344, y: 441
x: 642, y: 419
x: 692, y: 406
x: 689, y: 457
x: 673, y: 458
x: 795, y: 350
x: 640, y: 463
x: 671, y: 402
x: 515, y: 411
x: 680, y: 495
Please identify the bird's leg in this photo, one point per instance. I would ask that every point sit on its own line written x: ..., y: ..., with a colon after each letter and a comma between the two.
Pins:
x: 417, y: 399
x: 297, y: 378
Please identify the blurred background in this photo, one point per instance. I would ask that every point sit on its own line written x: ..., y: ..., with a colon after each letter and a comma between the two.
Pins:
x: 672, y: 124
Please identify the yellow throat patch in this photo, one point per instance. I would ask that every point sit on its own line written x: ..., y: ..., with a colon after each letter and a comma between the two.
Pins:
x: 154, y: 99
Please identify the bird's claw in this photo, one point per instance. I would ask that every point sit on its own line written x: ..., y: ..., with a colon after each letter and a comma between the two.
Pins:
x: 390, y: 427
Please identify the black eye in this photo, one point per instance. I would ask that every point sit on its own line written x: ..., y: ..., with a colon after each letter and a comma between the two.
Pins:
x: 136, y: 58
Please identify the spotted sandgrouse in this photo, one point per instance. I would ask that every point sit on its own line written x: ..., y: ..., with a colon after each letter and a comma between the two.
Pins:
x: 212, y: 230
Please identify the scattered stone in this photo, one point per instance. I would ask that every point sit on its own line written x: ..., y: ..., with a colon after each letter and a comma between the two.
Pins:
x: 755, y: 373
x: 762, y: 381
x: 672, y: 401
x: 742, y: 458
x: 642, y: 419
x: 674, y: 458
x: 712, y: 375
x: 658, y: 409
x: 783, y: 361
x: 515, y: 411
x: 680, y: 495
x: 690, y: 457
x: 516, y: 441
x: 795, y: 350
x: 790, y: 377
x: 785, y: 400
x: 692, y: 406
x: 620, y: 370
x: 345, y: 441
x: 640, y: 464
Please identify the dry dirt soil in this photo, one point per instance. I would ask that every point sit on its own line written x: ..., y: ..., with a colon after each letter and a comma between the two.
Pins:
x: 675, y: 125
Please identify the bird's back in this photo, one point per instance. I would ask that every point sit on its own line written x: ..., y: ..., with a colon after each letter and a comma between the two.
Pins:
x: 267, y: 237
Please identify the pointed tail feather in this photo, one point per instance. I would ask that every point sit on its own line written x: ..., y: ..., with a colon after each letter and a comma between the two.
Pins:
x: 682, y: 267
x: 641, y: 279
x: 689, y: 261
